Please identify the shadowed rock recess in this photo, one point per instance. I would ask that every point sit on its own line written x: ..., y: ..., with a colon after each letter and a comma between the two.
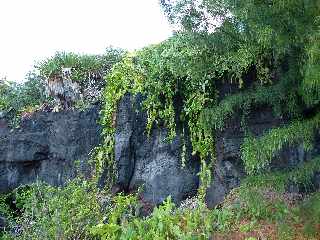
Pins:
x: 152, y: 162
x: 47, y: 146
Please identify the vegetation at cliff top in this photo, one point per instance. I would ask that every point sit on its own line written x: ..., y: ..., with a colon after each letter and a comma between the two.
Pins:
x: 268, y: 52
x: 20, y: 99
x: 16, y: 99
x: 83, y: 67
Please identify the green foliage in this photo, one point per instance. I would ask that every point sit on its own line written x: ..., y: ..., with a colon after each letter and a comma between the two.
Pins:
x: 289, y: 28
x: 22, y: 195
x: 58, y: 213
x: 78, y: 75
x: 183, y: 67
x: 83, y: 67
x: 219, y: 42
x: 257, y: 153
x: 247, y: 227
x: 87, y: 70
x: 15, y: 99
x: 286, y: 29
x: 4, y: 206
x: 122, y: 210
x: 119, y: 81
x: 311, y: 83
x: 279, y: 180
x: 281, y: 97
x: 258, y: 202
x: 166, y: 222
x: 267, y: 39
x: 309, y: 212
x: 224, y: 219
x: 262, y: 204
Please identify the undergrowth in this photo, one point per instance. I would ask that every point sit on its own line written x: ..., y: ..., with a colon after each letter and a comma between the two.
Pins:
x: 46, y: 212
x: 79, y: 211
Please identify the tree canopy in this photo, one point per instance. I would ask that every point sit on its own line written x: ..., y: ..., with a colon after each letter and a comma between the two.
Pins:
x: 224, y: 42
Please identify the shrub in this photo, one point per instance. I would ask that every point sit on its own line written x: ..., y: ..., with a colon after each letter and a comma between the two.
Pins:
x: 85, y: 71
x: 165, y: 222
x: 59, y: 212
x: 15, y: 99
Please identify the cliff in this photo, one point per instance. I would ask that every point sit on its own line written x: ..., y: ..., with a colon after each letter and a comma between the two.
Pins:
x: 50, y: 146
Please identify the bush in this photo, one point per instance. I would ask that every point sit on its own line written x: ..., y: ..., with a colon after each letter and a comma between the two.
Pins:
x: 85, y: 71
x: 58, y: 213
x: 166, y: 222
x: 15, y: 99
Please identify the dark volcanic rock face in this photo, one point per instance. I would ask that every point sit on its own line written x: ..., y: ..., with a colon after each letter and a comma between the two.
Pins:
x: 229, y: 168
x: 46, y: 147
x: 151, y: 161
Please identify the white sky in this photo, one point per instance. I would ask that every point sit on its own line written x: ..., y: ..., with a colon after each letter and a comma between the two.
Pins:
x: 31, y: 30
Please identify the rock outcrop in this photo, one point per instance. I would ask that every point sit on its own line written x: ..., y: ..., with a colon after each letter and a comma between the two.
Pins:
x: 152, y: 162
x: 229, y: 169
x: 155, y: 164
x: 48, y: 147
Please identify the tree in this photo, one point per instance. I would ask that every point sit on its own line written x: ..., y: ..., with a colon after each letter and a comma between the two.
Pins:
x: 289, y: 29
